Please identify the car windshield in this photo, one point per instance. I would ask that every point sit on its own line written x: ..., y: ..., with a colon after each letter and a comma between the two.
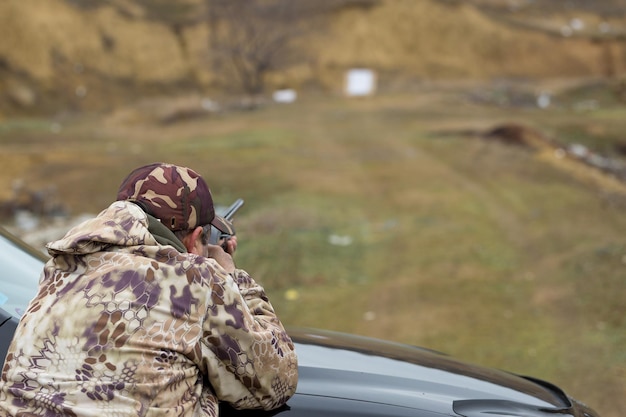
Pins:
x: 19, y: 276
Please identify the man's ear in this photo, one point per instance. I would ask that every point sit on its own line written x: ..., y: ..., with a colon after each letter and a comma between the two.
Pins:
x: 192, y: 241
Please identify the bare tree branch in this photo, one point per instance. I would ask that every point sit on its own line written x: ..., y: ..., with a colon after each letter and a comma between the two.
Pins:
x: 250, y: 38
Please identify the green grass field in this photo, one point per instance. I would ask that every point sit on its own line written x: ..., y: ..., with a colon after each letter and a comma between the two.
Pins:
x: 381, y: 217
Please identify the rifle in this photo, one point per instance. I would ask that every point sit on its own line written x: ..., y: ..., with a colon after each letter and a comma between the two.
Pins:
x: 216, y: 235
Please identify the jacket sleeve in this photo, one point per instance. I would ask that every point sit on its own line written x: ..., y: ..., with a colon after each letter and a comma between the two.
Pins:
x: 249, y: 359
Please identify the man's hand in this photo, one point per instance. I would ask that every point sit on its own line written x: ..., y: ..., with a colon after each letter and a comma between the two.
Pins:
x: 229, y: 245
x: 222, y: 257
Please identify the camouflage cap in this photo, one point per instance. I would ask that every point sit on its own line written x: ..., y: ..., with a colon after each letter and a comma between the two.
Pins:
x: 177, y: 196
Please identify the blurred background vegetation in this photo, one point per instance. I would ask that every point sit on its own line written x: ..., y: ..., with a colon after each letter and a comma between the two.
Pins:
x: 473, y: 204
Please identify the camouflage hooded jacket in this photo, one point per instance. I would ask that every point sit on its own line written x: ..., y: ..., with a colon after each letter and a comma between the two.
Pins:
x: 124, y: 326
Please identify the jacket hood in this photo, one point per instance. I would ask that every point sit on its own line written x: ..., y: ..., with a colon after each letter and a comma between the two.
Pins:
x: 121, y: 224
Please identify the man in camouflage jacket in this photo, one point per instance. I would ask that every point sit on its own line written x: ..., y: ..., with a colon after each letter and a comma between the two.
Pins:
x: 137, y: 316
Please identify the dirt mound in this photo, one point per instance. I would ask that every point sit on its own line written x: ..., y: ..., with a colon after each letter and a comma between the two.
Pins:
x: 606, y: 174
x: 517, y: 134
x: 435, y: 39
x: 54, y: 51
